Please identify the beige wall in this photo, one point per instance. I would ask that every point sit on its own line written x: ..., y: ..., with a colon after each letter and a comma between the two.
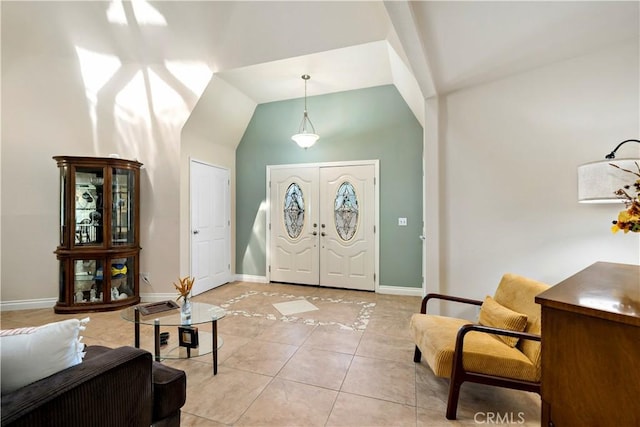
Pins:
x: 508, y: 173
x: 211, y: 135
x: 62, y: 120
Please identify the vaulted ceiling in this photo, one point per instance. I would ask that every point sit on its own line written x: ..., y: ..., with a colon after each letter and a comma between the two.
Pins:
x: 262, y: 48
x: 447, y: 45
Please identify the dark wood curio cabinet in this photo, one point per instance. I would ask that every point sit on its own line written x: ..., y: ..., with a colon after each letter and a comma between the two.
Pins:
x: 99, y: 245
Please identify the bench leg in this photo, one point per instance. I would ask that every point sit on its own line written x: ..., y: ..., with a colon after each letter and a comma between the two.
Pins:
x: 452, y: 403
x: 417, y: 355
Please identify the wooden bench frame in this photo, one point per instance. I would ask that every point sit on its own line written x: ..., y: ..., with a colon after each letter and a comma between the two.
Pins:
x: 458, y: 374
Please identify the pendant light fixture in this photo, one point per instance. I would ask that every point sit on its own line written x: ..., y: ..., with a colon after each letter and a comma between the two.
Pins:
x: 305, y: 138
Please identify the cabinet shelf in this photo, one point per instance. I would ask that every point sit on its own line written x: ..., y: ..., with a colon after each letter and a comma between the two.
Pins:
x: 99, y: 243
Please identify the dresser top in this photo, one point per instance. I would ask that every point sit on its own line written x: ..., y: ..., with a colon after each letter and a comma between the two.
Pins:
x: 606, y: 290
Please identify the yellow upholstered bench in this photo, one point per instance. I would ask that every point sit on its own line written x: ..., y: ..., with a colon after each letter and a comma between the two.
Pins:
x: 502, y: 349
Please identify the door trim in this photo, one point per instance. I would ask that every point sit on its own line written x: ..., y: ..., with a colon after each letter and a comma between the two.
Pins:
x: 376, y: 189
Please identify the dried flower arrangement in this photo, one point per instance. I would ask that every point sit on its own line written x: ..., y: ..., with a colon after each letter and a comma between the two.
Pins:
x: 629, y: 219
x: 185, y: 287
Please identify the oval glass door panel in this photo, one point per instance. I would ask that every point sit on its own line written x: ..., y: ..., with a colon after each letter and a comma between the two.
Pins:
x: 346, y: 211
x: 294, y: 211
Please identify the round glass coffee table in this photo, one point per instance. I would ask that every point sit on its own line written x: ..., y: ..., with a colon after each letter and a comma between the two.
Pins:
x: 184, y: 339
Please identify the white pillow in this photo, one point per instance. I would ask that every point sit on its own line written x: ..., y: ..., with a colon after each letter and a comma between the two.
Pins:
x: 30, y: 354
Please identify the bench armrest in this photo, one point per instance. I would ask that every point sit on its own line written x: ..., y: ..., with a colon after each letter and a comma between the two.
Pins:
x: 425, y: 300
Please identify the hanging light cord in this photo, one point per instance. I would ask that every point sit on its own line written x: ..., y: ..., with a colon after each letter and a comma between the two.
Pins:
x: 305, y: 116
x: 611, y: 155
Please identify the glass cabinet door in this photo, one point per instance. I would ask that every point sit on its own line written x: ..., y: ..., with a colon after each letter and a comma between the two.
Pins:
x: 122, y: 278
x: 89, y: 206
x: 122, y: 209
x: 88, y: 279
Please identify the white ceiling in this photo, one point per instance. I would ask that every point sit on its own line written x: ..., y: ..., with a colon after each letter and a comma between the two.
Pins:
x: 337, y: 70
x: 263, y: 47
x: 449, y: 46
x: 474, y: 42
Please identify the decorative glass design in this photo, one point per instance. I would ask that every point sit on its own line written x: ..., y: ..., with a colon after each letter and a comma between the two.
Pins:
x: 346, y: 211
x: 122, y: 208
x: 294, y: 210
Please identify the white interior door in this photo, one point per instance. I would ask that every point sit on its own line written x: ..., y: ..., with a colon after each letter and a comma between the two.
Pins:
x: 322, y: 222
x: 294, y: 225
x: 210, y: 226
x: 347, y: 223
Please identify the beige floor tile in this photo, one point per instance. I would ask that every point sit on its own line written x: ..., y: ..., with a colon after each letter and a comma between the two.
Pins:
x: 317, y: 367
x: 476, y: 400
x: 225, y: 397
x: 351, y: 410
x: 334, y: 339
x: 287, y: 403
x: 344, y: 312
x: 432, y: 417
x: 287, y: 333
x: 431, y: 391
x: 261, y: 357
x: 243, y: 326
x: 392, y: 323
x: 385, y: 347
x: 188, y: 420
x: 225, y: 292
x: 382, y: 379
x: 230, y: 344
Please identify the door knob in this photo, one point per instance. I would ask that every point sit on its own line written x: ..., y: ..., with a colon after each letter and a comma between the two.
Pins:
x: 196, y: 231
x: 323, y: 234
x: 315, y: 233
x: 422, y: 237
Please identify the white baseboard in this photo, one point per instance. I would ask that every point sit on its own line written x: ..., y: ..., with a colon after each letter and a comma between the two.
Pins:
x: 399, y: 290
x: 145, y: 298
x: 27, y: 304
x: 250, y: 278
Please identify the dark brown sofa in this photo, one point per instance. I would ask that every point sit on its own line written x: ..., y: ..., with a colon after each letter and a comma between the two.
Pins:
x: 111, y: 387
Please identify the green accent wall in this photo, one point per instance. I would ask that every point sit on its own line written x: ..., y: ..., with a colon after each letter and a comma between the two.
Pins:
x: 364, y: 124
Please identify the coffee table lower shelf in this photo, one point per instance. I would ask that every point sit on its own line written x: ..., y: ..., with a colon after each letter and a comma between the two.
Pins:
x: 208, y: 342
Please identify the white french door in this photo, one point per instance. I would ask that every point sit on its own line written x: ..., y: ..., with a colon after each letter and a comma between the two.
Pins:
x: 347, y: 227
x: 210, y: 226
x: 294, y: 226
x: 322, y: 225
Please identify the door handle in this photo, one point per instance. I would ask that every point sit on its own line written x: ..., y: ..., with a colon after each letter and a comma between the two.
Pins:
x: 315, y: 233
x: 196, y: 231
x: 421, y: 237
x: 323, y: 234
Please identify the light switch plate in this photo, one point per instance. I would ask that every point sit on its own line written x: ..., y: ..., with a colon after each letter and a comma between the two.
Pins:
x: 402, y: 221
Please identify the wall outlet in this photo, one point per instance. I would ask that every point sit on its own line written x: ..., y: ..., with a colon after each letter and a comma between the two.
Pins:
x: 402, y: 222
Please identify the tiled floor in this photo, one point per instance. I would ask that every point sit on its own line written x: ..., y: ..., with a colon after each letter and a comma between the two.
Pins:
x: 349, y: 363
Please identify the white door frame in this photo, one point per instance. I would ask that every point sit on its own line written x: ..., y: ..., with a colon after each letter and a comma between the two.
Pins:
x: 376, y: 240
x: 227, y: 214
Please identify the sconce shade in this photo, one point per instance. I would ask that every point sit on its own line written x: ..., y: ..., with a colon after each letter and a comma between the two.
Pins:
x: 597, y: 181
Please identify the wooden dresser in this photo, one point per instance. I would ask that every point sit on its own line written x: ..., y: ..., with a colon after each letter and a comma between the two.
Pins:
x: 591, y: 348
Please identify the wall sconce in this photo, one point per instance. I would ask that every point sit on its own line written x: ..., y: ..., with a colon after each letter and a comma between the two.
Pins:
x: 597, y: 181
